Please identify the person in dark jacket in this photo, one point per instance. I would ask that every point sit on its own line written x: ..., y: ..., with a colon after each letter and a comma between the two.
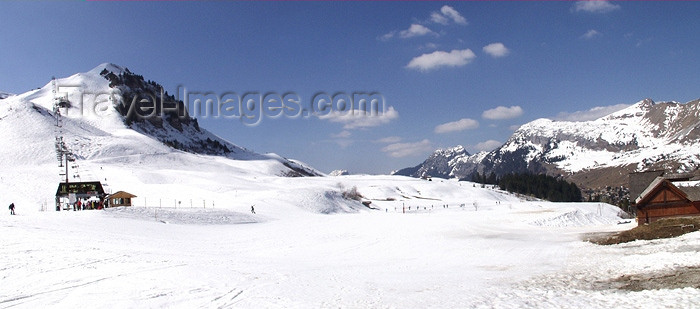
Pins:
x: 12, y: 209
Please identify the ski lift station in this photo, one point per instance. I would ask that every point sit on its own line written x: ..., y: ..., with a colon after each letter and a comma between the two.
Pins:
x: 68, y: 193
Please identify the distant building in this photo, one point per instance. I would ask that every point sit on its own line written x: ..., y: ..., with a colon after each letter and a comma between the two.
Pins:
x: 120, y: 198
x: 671, y: 195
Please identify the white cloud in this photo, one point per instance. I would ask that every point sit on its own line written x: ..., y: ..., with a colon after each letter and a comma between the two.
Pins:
x: 387, y: 36
x: 503, y: 112
x: 590, y: 34
x: 362, y: 119
x: 343, y: 134
x: 447, y: 14
x: 415, y: 30
x: 400, y: 150
x: 595, y: 6
x: 436, y: 59
x: 455, y: 126
x: 488, y: 145
x: 496, y: 50
x: 591, y: 114
x: 436, y: 17
x: 389, y: 140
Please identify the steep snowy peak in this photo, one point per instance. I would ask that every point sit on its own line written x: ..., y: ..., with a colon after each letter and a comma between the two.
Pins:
x: 109, y: 67
x: 451, y: 152
x: 441, y: 163
x: 146, y: 107
x: 95, y: 122
x: 635, y: 110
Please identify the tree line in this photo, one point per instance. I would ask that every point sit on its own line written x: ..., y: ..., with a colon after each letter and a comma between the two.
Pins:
x: 540, y: 186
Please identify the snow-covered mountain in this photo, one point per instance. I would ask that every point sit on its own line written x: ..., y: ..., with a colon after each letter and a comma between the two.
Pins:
x: 97, y: 120
x: 339, y: 173
x: 601, y: 152
x: 163, y: 157
x: 445, y: 163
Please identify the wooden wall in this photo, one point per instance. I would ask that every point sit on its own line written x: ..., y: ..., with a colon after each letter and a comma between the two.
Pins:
x: 666, y: 203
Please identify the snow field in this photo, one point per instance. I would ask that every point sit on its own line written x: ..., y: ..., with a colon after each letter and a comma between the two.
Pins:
x: 309, y: 247
x: 446, y: 258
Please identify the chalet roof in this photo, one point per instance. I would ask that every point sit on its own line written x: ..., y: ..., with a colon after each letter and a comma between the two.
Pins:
x: 121, y: 194
x: 649, y: 188
x: 640, y: 182
x: 81, y: 188
x: 691, y: 189
x: 679, y: 176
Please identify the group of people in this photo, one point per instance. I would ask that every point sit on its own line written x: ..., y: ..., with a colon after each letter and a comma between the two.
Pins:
x: 85, y: 205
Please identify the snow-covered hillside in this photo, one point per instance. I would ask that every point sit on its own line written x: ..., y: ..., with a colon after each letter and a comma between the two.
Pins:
x: 97, y: 123
x: 4, y: 95
x: 108, y: 147
x: 644, y: 136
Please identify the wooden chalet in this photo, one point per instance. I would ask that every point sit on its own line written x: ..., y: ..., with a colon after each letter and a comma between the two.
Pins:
x: 120, y: 198
x: 668, y: 197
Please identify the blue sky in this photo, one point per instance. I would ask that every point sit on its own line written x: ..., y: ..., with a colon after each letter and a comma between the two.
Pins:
x: 452, y: 73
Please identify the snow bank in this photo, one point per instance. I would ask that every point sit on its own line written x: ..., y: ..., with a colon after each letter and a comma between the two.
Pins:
x: 583, y: 214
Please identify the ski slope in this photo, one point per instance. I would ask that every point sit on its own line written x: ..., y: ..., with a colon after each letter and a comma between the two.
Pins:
x: 456, y: 257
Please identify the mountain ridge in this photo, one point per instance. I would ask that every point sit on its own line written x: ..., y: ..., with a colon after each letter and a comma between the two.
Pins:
x: 596, y: 153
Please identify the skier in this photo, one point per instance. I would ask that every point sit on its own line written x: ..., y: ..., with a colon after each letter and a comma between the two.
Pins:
x: 252, y: 209
x: 12, y: 209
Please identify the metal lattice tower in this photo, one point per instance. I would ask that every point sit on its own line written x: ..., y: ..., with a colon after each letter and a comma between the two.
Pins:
x: 62, y: 152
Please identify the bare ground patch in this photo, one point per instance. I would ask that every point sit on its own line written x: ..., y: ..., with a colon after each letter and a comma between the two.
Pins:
x: 684, y: 277
x: 664, y: 228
